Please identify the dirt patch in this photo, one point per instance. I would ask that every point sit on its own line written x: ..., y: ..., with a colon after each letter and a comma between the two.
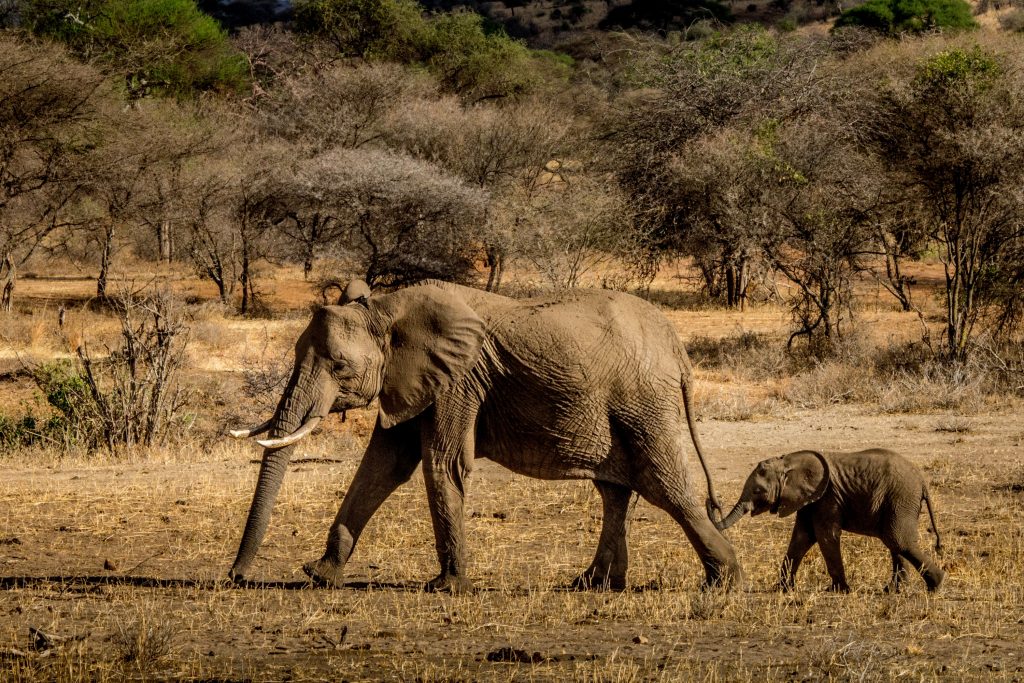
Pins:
x: 166, y: 531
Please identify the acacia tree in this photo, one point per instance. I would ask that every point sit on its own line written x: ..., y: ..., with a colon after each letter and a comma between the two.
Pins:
x: 321, y: 105
x: 952, y: 134
x: 819, y: 197
x: 717, y: 177
x: 398, y: 219
x: 564, y: 224
x: 300, y: 202
x: 499, y: 149
x: 743, y: 78
x: 47, y: 107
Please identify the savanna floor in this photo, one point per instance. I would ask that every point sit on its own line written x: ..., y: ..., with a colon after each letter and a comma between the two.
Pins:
x: 120, y: 563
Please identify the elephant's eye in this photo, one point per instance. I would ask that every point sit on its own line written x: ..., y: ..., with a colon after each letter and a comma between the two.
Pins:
x: 342, y: 368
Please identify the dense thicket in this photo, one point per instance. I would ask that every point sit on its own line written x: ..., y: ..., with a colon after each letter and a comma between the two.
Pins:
x: 369, y: 138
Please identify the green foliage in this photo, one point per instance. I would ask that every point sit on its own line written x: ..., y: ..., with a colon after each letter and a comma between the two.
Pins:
x: 473, y: 58
x: 469, y: 55
x: 165, y: 46
x: 71, y: 419
x: 958, y: 68
x: 393, y: 29
x: 909, y: 16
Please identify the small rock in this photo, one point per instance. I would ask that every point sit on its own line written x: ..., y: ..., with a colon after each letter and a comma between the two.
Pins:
x: 641, y: 640
x: 109, y: 566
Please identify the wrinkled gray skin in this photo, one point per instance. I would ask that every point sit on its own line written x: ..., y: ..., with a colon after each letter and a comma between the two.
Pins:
x: 875, y: 493
x: 582, y: 385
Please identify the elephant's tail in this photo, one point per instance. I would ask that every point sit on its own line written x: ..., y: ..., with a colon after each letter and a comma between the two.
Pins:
x: 931, y: 517
x: 713, y: 503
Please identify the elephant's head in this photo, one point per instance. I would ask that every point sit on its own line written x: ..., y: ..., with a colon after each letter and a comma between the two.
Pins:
x: 781, y: 485
x: 404, y: 348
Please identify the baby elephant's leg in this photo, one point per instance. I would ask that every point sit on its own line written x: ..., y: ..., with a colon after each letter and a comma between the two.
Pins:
x: 828, y: 539
x: 930, y: 570
x: 800, y: 542
x: 900, y: 571
x: 905, y: 542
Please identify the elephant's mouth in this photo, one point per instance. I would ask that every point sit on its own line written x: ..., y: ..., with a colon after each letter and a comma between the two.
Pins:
x: 348, y: 401
x: 774, y: 508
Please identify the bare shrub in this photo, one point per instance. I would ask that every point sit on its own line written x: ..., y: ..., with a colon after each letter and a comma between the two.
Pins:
x: 565, y: 227
x: 134, y: 390
x: 750, y: 355
x: 337, y: 104
x: 144, y: 645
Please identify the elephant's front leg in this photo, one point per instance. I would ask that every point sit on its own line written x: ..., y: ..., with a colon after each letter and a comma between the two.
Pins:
x: 608, y: 570
x: 800, y: 542
x: 828, y: 536
x: 448, y: 452
x: 389, y: 461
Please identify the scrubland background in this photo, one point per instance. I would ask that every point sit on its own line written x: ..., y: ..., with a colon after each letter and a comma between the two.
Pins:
x: 831, y: 219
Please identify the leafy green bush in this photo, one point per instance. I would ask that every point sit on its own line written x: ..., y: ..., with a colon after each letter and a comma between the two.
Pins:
x: 908, y: 16
x: 469, y: 55
x: 71, y: 421
x: 394, y: 29
x: 165, y: 46
x: 473, y: 58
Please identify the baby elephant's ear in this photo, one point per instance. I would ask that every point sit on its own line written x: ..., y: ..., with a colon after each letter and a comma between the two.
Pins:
x: 804, y: 480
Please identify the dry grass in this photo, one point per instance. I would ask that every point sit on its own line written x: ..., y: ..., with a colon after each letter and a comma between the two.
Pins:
x: 123, y: 559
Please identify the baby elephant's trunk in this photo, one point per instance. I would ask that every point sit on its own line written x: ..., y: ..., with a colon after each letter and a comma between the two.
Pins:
x: 741, y: 508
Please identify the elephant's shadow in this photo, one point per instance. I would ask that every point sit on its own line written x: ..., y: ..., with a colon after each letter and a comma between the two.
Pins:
x: 88, y: 583
x: 85, y: 583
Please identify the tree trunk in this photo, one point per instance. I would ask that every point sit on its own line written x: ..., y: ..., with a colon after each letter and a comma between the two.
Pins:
x: 9, y: 281
x: 106, y: 253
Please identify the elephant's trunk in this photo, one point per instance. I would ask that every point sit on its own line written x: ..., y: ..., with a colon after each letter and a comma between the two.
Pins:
x: 272, y: 469
x: 741, y: 508
x: 290, y: 414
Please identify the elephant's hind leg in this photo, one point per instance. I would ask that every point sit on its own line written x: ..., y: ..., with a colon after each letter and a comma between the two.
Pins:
x: 669, y: 493
x: 900, y: 571
x: 608, y: 570
x: 390, y: 459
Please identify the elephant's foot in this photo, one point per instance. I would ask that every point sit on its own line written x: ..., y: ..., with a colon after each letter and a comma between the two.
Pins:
x: 236, y: 576
x: 838, y: 587
x: 598, y: 580
x: 449, y: 583
x: 722, y: 576
x: 934, y: 579
x: 325, y: 572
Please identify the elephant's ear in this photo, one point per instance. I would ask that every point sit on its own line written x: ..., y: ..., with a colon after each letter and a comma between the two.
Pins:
x: 434, y: 339
x: 804, y: 480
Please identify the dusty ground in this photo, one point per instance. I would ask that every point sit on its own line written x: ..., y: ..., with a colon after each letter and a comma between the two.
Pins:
x: 169, y: 529
x: 121, y: 562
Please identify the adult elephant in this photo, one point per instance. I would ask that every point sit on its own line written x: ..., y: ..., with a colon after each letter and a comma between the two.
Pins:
x: 578, y: 385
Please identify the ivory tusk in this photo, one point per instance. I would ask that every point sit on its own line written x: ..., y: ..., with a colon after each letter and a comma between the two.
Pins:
x: 243, y: 433
x: 288, y: 440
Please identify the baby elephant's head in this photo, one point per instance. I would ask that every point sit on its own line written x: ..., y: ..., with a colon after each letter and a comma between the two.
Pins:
x: 781, y: 485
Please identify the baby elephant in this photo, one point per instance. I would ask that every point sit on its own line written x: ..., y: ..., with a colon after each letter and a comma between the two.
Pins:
x: 875, y: 492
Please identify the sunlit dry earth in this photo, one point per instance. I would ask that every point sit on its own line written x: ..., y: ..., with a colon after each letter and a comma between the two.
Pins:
x: 121, y: 562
